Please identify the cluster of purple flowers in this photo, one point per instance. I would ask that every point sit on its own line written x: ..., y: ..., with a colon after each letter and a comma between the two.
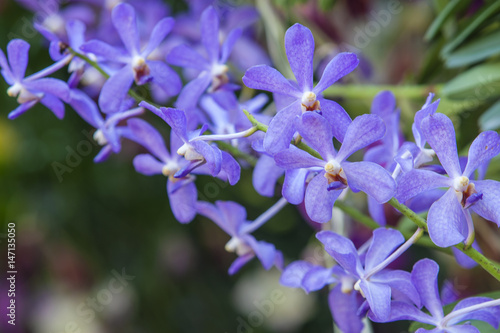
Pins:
x: 132, y: 45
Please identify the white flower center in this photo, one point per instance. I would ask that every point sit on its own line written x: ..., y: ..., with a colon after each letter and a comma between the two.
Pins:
x: 346, y: 284
x: 461, y: 183
x: 189, y: 153
x: 235, y: 244
x: 308, y: 98
x: 332, y: 167
x: 358, y: 288
x: 219, y: 69
x: 138, y: 61
x: 110, y: 4
x: 54, y: 23
x: 169, y: 169
x: 100, y: 138
x: 309, y: 102
x: 23, y: 95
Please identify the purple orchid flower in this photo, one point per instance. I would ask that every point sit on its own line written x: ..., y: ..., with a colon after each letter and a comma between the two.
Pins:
x: 108, y: 133
x: 247, y: 51
x: 424, y: 277
x: 196, y: 151
x: 299, y: 44
x: 212, y: 70
x: 343, y: 300
x: 226, y: 112
x: 369, y: 276
x: 383, y: 151
x: 182, y: 193
x: 137, y: 67
x: 356, y: 271
x: 34, y: 88
x: 266, y: 173
x: 51, y: 17
x: 75, y: 31
x: 449, y: 218
x: 231, y: 217
x: 414, y: 155
x: 334, y: 172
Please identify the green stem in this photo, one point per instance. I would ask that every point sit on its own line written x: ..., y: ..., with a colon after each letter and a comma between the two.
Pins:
x: 261, y: 127
x: 418, y: 220
x: 357, y: 91
x: 488, y: 265
x: 370, y: 223
x: 237, y: 153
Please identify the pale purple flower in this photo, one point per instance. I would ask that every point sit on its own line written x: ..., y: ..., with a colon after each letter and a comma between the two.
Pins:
x: 213, y: 71
x: 375, y: 283
x: 449, y: 219
x: 232, y: 218
x: 334, y: 173
x: 360, y: 275
x: 136, y: 65
x: 196, y: 152
x: 182, y: 191
x: 35, y: 88
x: 424, y: 277
x: 108, y: 131
x: 299, y: 44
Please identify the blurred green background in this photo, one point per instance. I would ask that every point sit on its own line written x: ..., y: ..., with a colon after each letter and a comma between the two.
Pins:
x: 74, y: 235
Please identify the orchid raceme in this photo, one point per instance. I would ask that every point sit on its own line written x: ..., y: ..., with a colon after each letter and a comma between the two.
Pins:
x: 225, y: 128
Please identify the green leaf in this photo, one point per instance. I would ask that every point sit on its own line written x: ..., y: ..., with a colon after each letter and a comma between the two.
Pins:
x: 275, y: 36
x: 475, y: 51
x: 490, y: 120
x: 476, y: 85
x: 481, y: 325
x: 477, y: 20
x: 438, y: 22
